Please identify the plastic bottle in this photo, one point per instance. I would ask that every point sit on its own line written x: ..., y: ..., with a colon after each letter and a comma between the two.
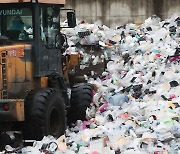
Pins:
x: 118, y: 99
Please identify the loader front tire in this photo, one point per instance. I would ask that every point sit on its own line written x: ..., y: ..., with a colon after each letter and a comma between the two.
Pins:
x: 44, y: 114
x: 81, y: 97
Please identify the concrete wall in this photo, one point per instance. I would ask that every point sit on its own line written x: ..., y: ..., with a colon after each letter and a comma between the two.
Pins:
x: 118, y: 12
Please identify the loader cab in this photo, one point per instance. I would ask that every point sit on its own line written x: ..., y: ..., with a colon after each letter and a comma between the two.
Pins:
x: 37, y: 24
x: 33, y: 92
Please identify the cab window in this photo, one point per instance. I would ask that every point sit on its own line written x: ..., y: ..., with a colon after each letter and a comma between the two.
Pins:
x: 16, y: 23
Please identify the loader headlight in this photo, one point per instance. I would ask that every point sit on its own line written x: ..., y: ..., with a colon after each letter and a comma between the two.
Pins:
x: 5, y: 107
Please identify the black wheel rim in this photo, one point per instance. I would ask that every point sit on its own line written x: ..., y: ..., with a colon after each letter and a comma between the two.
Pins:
x: 54, y: 121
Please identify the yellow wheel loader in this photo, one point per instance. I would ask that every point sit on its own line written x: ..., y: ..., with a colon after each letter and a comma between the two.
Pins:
x: 34, y: 94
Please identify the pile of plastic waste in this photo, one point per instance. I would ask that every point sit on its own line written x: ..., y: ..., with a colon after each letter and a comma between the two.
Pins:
x: 136, y: 102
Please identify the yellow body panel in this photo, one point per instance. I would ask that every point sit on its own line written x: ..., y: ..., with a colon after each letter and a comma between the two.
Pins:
x: 13, y: 1
x: 11, y: 47
x: 15, y: 69
x: 39, y: 1
x: 19, y: 110
x: 29, y: 75
x: 44, y: 82
x: 17, y: 79
x: 41, y: 82
x: 0, y: 76
x: 18, y: 70
x: 74, y: 59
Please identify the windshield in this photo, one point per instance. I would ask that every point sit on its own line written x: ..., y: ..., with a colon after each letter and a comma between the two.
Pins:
x: 16, y: 23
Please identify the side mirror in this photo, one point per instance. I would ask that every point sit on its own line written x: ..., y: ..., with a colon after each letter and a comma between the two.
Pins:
x: 71, y: 18
x: 61, y: 42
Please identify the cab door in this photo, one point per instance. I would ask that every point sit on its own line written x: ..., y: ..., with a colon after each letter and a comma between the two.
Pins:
x: 49, y: 30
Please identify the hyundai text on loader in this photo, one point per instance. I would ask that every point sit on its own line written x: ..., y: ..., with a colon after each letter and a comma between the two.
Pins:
x: 33, y: 90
